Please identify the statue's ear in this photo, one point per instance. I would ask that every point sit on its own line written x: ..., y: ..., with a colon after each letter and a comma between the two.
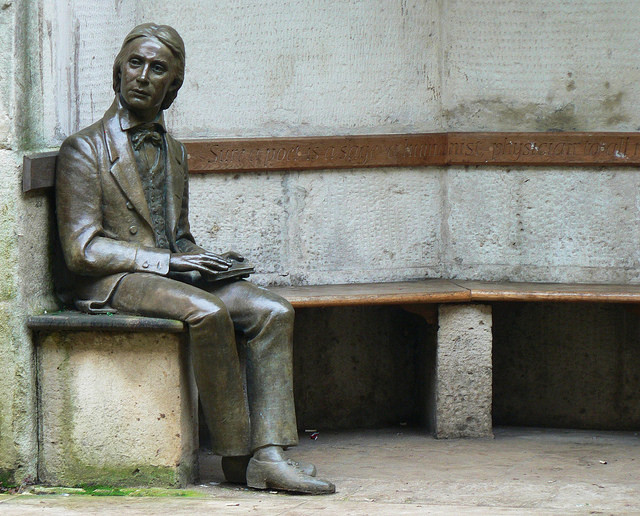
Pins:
x: 177, y: 83
x: 117, y: 77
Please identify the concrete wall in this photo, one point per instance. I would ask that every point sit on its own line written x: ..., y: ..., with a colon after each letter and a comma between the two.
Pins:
x: 25, y: 283
x: 566, y: 365
x: 276, y: 68
x: 540, y: 65
x: 363, y: 367
x: 325, y: 68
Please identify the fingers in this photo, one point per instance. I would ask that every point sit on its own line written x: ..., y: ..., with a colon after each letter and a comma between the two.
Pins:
x: 210, y: 265
x: 208, y: 270
x: 201, y: 262
x: 214, y: 259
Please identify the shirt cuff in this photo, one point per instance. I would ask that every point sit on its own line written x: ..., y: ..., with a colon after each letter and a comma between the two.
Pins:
x: 153, y: 260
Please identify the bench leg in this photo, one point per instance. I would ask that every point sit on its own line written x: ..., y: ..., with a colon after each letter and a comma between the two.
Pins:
x: 463, y: 372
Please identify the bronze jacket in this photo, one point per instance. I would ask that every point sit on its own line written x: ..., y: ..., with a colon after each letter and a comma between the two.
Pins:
x: 104, y: 222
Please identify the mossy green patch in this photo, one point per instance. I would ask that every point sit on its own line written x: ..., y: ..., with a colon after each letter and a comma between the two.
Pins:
x: 85, y: 476
x: 100, y: 490
x: 7, y: 479
x: 145, y: 491
x: 8, y: 254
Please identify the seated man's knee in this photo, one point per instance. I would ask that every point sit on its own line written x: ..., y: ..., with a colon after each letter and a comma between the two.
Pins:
x: 280, y: 310
x: 207, y: 308
x: 269, y: 310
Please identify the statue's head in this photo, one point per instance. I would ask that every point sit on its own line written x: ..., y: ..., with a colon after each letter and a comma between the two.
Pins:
x: 150, y: 39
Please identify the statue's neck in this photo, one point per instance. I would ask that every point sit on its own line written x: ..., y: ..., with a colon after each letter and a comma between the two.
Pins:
x: 140, y: 117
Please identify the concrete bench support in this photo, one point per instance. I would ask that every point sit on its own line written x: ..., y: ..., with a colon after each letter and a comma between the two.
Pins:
x: 464, y: 372
x: 116, y: 408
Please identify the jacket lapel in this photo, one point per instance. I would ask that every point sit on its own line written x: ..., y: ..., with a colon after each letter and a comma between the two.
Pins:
x: 175, y: 183
x: 123, y: 163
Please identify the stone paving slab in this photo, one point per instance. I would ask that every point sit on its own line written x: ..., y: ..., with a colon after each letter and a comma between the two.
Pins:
x: 404, y: 471
x: 177, y: 507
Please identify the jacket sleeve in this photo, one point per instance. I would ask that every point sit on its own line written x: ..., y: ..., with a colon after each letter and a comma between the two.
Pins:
x: 87, y: 251
x: 184, y: 240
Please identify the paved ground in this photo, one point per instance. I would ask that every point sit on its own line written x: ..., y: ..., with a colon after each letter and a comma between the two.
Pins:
x: 402, y: 471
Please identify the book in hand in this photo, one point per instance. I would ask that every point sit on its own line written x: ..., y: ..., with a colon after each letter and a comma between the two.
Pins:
x: 238, y: 270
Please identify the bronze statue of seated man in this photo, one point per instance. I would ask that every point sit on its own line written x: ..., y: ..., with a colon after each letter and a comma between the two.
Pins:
x: 122, y: 203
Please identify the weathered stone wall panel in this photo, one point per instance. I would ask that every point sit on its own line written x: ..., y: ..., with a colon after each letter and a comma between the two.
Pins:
x: 79, y: 41
x: 535, y: 224
x: 275, y: 68
x: 367, y: 225
x: 540, y: 66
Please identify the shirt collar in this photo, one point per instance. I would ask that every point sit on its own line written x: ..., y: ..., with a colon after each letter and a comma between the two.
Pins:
x: 128, y: 120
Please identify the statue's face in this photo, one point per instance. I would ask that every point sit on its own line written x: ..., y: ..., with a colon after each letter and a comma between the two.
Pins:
x: 145, y: 77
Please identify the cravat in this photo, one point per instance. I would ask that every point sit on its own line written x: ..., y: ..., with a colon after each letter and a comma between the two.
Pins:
x: 146, y: 133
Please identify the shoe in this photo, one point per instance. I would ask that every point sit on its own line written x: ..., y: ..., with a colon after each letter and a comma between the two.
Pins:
x: 235, y: 468
x: 284, y: 475
x: 305, y: 467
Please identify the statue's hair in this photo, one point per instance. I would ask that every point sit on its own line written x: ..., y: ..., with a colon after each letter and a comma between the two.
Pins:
x: 166, y: 35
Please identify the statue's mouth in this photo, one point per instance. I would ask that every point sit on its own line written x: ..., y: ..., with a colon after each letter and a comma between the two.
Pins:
x: 140, y: 92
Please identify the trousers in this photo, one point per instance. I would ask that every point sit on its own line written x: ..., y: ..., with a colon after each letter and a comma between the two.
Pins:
x: 239, y: 421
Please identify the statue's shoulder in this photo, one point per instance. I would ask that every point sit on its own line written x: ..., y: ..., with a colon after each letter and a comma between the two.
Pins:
x: 85, y: 139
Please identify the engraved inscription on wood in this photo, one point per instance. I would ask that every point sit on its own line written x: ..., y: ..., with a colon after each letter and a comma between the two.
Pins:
x: 236, y: 155
x: 389, y: 150
x: 317, y: 153
x: 543, y: 148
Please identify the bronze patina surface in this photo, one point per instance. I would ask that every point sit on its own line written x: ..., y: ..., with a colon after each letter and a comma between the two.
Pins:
x: 122, y: 201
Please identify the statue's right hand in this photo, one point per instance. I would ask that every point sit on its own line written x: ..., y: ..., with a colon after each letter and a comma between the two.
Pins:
x: 205, y: 263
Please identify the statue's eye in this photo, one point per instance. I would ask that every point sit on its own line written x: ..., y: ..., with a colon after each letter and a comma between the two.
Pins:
x: 134, y: 61
x: 159, y: 69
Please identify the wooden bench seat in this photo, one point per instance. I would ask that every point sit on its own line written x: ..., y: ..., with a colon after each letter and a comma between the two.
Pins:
x: 429, y: 291
x: 485, y: 291
x: 405, y: 292
x: 454, y: 291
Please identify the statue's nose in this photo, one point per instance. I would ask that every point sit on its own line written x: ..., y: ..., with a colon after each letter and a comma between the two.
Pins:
x: 144, y: 74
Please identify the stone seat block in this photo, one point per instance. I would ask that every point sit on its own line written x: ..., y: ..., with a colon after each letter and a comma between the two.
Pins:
x: 118, y: 406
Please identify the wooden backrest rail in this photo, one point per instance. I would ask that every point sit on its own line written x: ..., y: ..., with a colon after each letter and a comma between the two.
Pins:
x: 391, y: 150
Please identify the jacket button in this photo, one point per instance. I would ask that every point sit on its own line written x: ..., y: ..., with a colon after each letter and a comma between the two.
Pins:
x: 133, y: 230
x: 145, y: 265
x: 129, y: 205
